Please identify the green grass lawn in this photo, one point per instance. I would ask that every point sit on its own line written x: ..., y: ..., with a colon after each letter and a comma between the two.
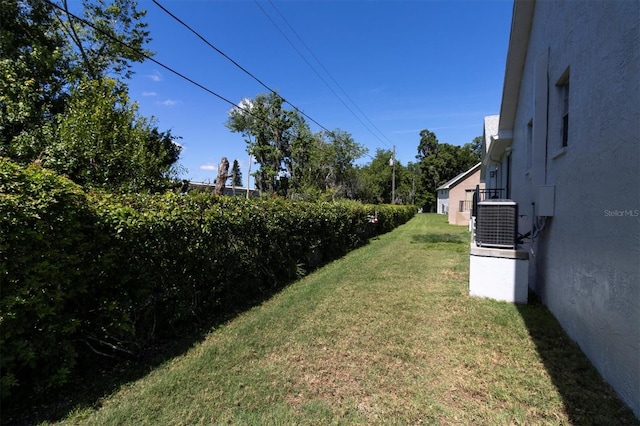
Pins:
x: 385, y: 335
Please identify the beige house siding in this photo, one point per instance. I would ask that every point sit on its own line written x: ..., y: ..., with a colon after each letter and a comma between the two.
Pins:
x: 456, y: 190
x: 459, y: 193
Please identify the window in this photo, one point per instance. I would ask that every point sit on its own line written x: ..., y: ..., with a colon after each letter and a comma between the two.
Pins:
x: 563, y: 86
x: 565, y: 114
x: 529, y: 143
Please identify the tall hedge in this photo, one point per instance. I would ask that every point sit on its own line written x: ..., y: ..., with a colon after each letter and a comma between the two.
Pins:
x: 97, y: 274
x: 47, y: 231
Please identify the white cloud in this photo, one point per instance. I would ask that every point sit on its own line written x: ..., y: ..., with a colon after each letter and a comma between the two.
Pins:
x: 149, y: 94
x: 168, y: 102
x: 208, y: 166
x: 244, y: 105
x: 156, y: 76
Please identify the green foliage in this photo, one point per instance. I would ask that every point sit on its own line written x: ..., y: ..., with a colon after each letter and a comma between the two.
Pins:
x: 270, y: 131
x: 439, y: 163
x: 32, y: 77
x: 376, y: 178
x: 103, y: 142
x: 475, y: 146
x: 63, y: 100
x: 47, y: 239
x: 341, y: 151
x: 94, y: 51
x: 102, y: 274
x: 292, y: 160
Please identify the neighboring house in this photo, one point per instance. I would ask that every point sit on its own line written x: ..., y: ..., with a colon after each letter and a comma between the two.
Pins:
x: 566, y: 148
x: 442, y: 200
x: 455, y: 197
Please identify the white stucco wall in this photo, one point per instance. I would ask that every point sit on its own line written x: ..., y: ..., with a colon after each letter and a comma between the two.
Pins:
x: 443, y: 201
x: 498, y: 274
x: 587, y: 260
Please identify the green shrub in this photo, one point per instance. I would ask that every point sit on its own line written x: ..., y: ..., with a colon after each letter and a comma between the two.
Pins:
x: 99, y: 273
x: 46, y: 244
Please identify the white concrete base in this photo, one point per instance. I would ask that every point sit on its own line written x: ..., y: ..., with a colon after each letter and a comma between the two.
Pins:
x: 499, y: 274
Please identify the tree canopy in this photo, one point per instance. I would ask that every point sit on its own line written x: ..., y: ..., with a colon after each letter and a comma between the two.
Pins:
x: 440, y: 162
x: 269, y: 130
x: 64, y: 100
x: 292, y: 160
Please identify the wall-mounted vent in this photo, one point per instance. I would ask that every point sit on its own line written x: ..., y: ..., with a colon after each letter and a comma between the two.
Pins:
x: 497, y: 224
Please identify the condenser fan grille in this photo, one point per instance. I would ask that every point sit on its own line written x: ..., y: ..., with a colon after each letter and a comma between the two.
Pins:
x: 497, y: 224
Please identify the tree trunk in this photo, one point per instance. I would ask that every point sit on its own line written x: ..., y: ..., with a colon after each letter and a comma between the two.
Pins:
x: 221, y: 180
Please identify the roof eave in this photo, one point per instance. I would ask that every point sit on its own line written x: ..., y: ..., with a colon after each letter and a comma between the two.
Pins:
x: 516, y: 56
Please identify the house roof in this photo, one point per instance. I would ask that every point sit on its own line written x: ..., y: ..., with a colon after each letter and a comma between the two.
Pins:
x: 461, y: 177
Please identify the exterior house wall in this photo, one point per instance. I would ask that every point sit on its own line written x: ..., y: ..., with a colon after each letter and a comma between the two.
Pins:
x: 459, y: 193
x: 586, y: 267
x: 443, y: 201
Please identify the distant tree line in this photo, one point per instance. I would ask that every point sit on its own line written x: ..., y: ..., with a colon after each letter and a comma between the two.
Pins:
x: 296, y: 163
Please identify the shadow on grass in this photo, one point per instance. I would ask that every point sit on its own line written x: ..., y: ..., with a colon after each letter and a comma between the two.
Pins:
x: 103, y: 377
x: 440, y: 238
x: 587, y: 398
x: 100, y: 377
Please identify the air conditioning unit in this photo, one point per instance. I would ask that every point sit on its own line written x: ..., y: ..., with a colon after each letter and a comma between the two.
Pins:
x: 497, y: 224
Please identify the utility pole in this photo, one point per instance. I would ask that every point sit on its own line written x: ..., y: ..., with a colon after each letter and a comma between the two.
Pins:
x: 393, y: 176
x: 413, y: 188
x: 249, y: 174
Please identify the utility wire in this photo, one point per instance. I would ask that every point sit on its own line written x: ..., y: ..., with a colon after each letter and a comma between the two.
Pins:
x: 233, y: 62
x: 166, y: 67
x: 316, y: 72
x: 321, y: 65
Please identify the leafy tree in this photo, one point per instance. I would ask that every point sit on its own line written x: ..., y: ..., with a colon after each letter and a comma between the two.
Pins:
x: 257, y: 120
x: 339, y: 153
x: 63, y: 100
x: 439, y: 163
x: 33, y: 76
x: 375, y: 178
x: 103, y: 142
x: 475, y: 146
x: 292, y: 160
x: 428, y: 144
x: 114, y: 40
x: 272, y: 134
x: 407, y: 182
x: 157, y: 165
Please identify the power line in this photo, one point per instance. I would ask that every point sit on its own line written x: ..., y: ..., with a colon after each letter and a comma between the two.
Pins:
x: 316, y: 72
x: 208, y: 43
x: 211, y: 45
x: 166, y: 67
x: 325, y: 70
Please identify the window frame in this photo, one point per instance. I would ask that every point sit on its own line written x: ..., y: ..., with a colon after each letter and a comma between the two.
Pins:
x: 564, y: 87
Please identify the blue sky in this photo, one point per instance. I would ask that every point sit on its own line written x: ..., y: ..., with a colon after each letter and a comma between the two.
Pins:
x: 407, y: 65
